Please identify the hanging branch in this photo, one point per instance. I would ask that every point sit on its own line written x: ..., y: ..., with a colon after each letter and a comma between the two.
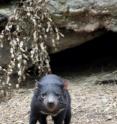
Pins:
x: 27, y: 33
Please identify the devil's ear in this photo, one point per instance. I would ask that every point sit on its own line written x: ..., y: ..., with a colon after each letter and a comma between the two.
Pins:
x: 66, y: 83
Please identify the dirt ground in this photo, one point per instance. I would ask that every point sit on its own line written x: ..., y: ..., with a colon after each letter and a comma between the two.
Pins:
x: 91, y: 103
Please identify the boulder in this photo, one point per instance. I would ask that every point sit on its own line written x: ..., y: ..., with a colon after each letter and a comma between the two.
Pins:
x: 79, y: 20
x: 3, y: 21
x: 83, y: 17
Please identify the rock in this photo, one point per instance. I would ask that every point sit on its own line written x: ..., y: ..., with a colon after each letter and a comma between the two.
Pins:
x: 3, y: 21
x: 4, y: 55
x: 79, y: 21
x: 4, y: 52
x: 109, y: 117
x: 84, y: 18
x: 5, y: 12
x: 7, y: 9
x: 109, y: 78
x: 85, y: 15
x: 72, y: 39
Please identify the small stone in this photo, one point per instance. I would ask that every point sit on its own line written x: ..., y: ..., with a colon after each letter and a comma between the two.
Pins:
x: 62, y: 1
x: 108, y: 117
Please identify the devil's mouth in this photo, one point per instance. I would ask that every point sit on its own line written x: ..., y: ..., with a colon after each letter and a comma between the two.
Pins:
x: 54, y: 113
x: 52, y: 109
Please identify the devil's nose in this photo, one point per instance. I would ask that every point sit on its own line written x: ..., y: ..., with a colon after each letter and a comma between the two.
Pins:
x: 51, y: 104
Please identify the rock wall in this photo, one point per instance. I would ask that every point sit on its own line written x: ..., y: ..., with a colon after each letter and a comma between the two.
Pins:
x: 79, y: 21
x: 83, y: 17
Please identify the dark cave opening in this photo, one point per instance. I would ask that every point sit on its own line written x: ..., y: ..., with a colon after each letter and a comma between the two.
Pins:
x: 96, y: 54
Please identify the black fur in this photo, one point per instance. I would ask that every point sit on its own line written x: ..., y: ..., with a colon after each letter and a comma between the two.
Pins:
x: 36, y: 115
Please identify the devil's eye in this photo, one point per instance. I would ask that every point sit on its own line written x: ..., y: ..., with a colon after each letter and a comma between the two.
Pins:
x: 58, y: 95
x: 43, y: 95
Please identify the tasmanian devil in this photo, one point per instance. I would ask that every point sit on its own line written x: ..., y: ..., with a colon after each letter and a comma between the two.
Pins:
x: 51, y: 97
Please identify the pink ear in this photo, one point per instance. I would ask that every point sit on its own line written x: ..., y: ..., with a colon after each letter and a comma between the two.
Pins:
x: 66, y: 82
